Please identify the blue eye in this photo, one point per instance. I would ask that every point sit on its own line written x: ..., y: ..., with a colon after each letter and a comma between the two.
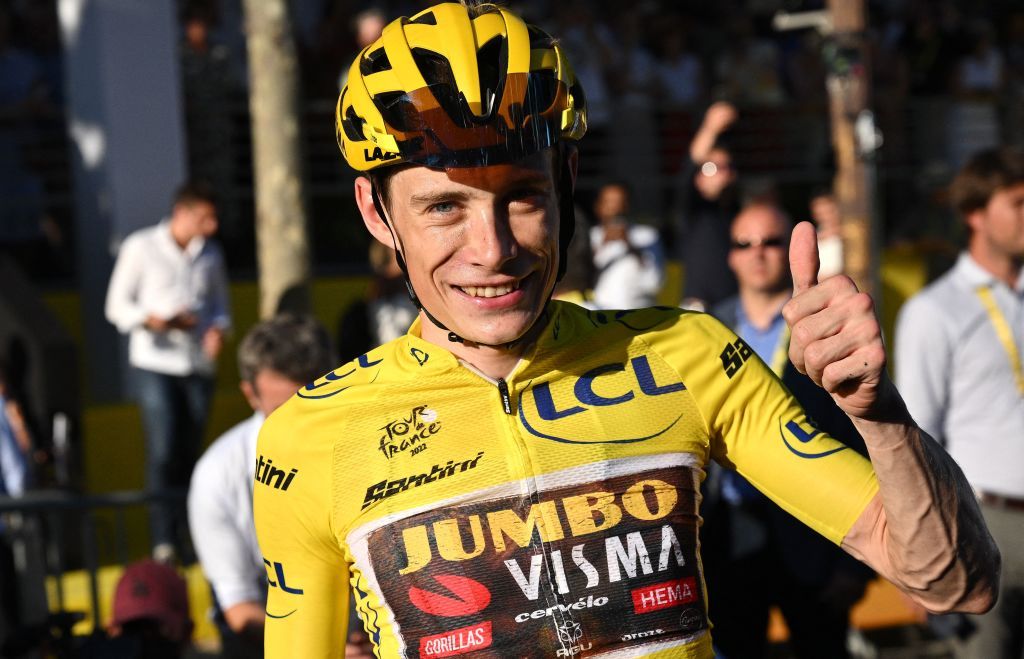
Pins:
x: 443, y: 207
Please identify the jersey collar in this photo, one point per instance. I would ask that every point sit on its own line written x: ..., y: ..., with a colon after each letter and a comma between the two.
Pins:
x: 423, y: 356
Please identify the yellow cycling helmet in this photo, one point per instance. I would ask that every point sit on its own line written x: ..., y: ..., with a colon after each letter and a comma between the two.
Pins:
x: 458, y: 86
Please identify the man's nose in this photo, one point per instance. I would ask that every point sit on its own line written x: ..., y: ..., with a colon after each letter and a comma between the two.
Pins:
x: 491, y: 240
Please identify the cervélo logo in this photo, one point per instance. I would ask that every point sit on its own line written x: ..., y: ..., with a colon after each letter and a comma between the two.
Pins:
x: 386, y: 488
x: 409, y: 433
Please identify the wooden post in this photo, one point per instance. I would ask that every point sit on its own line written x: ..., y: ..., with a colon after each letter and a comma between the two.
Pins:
x: 849, y: 102
x: 281, y: 233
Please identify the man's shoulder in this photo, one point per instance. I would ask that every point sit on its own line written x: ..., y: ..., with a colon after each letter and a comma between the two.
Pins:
x: 653, y: 325
x: 942, y: 299
x: 726, y: 310
x: 227, y: 453
x: 234, y: 439
x: 334, y: 399
x: 142, y: 238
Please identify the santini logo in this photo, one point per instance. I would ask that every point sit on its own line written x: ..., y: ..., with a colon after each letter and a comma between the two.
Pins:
x: 385, y: 488
x: 268, y: 474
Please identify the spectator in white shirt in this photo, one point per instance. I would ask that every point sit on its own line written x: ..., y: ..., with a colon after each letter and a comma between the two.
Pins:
x: 275, y: 358
x: 169, y: 292
x: 628, y: 258
x: 958, y: 365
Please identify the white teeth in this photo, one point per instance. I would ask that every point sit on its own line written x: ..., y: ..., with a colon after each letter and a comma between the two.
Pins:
x: 489, y: 291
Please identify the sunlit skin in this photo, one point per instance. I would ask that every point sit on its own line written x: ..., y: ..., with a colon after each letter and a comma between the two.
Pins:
x: 997, y: 233
x: 464, y: 231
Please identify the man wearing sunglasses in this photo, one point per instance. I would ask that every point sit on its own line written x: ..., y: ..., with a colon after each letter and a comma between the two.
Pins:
x: 746, y: 537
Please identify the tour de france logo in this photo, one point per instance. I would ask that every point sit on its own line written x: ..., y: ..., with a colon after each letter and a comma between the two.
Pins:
x: 409, y: 433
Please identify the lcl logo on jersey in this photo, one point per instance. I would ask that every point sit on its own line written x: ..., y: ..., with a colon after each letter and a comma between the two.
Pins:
x: 800, y: 441
x: 621, y: 402
x: 335, y: 382
x: 276, y: 580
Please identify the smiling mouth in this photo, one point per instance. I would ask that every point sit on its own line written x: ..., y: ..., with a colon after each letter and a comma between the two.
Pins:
x: 489, y: 291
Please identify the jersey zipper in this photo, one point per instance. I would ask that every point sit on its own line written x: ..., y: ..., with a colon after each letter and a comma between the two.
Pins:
x: 506, y: 399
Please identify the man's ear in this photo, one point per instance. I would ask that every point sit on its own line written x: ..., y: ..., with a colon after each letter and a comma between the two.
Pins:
x: 371, y: 218
x: 974, y: 219
x: 250, y: 394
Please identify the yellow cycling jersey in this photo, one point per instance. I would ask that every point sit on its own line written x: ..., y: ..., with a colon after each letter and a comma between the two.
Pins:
x: 551, y: 514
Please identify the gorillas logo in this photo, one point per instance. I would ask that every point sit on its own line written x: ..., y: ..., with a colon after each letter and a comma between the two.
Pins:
x: 465, y: 596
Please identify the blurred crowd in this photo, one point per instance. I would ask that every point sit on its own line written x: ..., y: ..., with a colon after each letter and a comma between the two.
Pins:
x: 947, y: 80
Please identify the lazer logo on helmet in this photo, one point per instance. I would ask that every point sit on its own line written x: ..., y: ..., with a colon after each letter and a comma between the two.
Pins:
x: 639, y: 386
x: 379, y: 154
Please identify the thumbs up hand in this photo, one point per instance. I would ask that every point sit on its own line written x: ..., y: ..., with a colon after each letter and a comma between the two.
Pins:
x: 835, y: 336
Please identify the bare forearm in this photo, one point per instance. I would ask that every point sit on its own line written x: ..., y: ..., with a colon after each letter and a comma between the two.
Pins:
x: 924, y: 530
x: 246, y: 618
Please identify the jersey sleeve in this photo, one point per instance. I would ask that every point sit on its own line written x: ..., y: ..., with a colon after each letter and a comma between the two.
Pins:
x: 756, y: 426
x: 307, y: 571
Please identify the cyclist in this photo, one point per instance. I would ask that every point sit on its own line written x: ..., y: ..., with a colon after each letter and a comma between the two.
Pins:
x: 518, y: 476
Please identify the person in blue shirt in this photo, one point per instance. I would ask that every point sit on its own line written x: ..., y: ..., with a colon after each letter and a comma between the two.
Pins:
x: 756, y: 554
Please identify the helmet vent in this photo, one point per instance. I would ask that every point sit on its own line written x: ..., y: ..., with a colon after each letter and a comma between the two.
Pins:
x: 353, y: 126
x: 437, y: 71
x: 426, y: 18
x: 540, y: 91
x: 375, y: 62
x: 539, y: 38
x: 492, y: 62
x: 398, y: 111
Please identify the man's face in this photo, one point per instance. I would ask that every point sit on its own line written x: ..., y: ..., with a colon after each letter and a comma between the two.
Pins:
x: 195, y: 219
x: 481, y: 244
x: 1001, y: 223
x: 758, y: 253
x: 269, y: 390
x: 714, y: 175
